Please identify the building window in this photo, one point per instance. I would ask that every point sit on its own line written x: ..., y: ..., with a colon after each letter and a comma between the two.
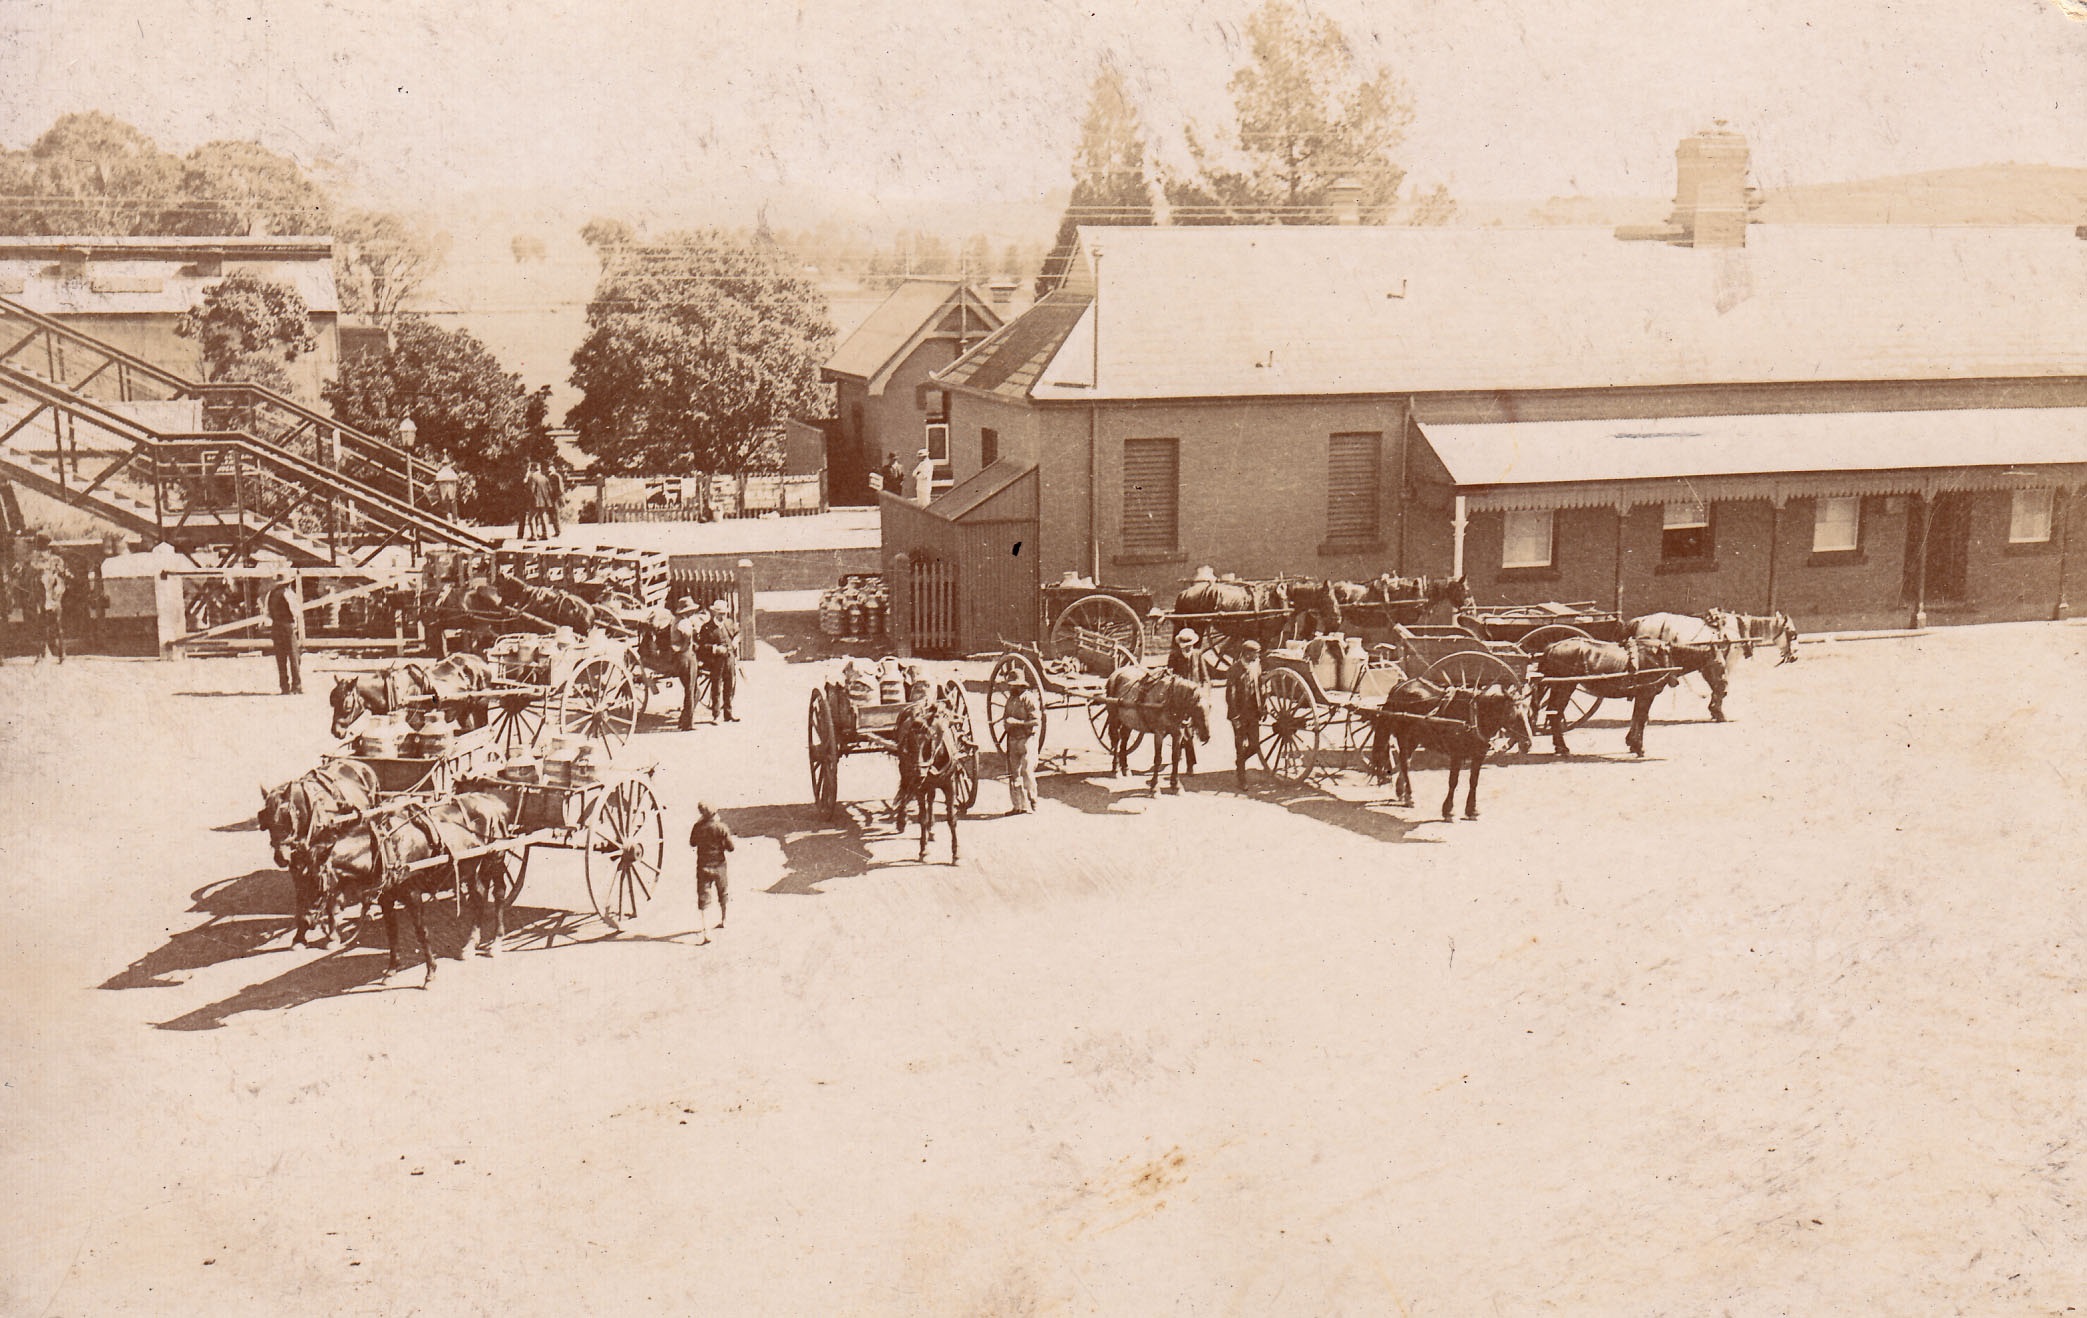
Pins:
x: 1525, y: 538
x: 1686, y: 533
x: 2030, y: 521
x: 1352, y: 483
x: 1151, y: 495
x: 938, y: 441
x: 988, y: 446
x: 1836, y: 524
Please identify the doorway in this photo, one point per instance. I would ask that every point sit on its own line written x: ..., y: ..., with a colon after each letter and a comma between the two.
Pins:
x: 1948, y: 550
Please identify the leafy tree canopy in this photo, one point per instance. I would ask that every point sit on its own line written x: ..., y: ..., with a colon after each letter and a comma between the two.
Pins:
x: 695, y: 344
x: 1308, y: 111
x: 1109, y: 183
x: 381, y: 259
x: 465, y: 407
x: 249, y: 328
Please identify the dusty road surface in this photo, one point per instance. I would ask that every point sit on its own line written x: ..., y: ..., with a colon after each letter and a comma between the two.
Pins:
x: 1785, y: 1018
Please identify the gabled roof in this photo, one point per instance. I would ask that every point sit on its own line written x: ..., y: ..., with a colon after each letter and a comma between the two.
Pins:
x: 1255, y: 311
x: 915, y: 311
x: 1010, y: 361
x: 981, y: 488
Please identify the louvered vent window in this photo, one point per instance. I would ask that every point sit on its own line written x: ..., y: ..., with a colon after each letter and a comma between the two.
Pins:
x: 1352, y: 477
x: 1151, y: 495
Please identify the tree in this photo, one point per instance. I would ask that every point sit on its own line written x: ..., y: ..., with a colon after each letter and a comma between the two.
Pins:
x: 250, y: 329
x: 607, y: 235
x: 90, y: 174
x: 381, y: 259
x: 528, y: 247
x: 694, y: 345
x: 466, y: 408
x: 1307, y: 113
x: 243, y: 188
x: 1109, y: 184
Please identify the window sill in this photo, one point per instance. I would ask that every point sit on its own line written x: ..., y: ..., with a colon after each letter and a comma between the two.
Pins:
x: 1675, y: 566
x: 1527, y: 574
x: 1140, y: 560
x: 2029, y: 549
x: 1836, y: 558
x: 1337, y: 548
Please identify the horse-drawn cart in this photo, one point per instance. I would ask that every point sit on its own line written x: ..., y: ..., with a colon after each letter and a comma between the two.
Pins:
x: 1315, y: 707
x: 583, y: 687
x: 837, y: 726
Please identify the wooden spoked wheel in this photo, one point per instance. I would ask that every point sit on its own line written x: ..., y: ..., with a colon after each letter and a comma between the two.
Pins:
x: 1476, y: 670
x: 822, y: 748
x: 1289, y: 737
x: 1102, y: 631
x: 999, y: 684
x: 599, y: 702
x: 952, y: 697
x: 626, y: 848
x: 1581, y: 706
x: 1543, y: 638
x: 1218, y: 648
x: 1098, y: 719
x: 516, y: 720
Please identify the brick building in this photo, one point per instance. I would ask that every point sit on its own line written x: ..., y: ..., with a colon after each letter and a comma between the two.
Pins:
x: 877, y: 373
x: 130, y: 292
x: 1842, y: 422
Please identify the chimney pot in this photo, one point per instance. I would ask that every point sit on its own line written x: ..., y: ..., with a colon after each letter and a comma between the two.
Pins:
x: 1711, y: 196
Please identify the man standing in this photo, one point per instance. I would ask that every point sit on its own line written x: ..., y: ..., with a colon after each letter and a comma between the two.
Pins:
x: 286, y: 631
x: 48, y: 581
x: 688, y: 617
x: 554, y: 497
x: 1019, y: 719
x: 894, y: 475
x: 532, y: 484
x: 1243, y: 707
x: 712, y: 840
x: 717, y: 641
x: 921, y: 486
x: 1184, y: 660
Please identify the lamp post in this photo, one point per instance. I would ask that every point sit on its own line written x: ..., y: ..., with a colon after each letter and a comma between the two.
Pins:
x: 408, y: 432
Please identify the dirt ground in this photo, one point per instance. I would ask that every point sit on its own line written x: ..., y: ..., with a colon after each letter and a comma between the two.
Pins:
x: 1783, y: 1018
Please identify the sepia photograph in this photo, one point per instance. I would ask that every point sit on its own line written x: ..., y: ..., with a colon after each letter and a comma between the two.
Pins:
x: 1376, y: 657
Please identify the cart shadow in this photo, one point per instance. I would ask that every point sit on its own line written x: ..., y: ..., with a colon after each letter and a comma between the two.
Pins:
x: 824, y: 851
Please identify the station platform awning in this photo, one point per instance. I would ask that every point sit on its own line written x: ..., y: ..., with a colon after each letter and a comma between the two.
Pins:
x: 1510, y: 465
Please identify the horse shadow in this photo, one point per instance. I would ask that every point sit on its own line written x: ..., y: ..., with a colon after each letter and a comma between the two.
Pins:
x: 812, y: 855
x: 246, y: 913
x: 1084, y: 794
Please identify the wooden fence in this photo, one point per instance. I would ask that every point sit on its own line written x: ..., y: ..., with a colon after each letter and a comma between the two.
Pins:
x: 746, y: 496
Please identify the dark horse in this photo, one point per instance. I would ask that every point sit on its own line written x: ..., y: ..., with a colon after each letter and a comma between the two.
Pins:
x: 1317, y: 607
x: 1696, y: 646
x: 1167, y: 707
x: 450, y: 684
x: 930, y: 753
x: 369, y: 859
x: 1460, y: 722
x: 1608, y: 670
x: 1210, y: 596
x: 296, y: 812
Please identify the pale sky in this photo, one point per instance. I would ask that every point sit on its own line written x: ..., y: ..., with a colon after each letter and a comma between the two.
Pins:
x: 624, y: 104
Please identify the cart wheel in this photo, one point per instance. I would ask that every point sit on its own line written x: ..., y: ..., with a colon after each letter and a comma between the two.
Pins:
x: 1474, y: 669
x: 1543, y: 638
x: 599, y: 702
x: 1100, y: 629
x: 999, y: 683
x: 626, y: 847
x: 1218, y: 646
x: 1289, y: 739
x: 516, y: 720
x: 950, y: 695
x: 1098, y: 719
x: 966, y: 782
x: 1581, y: 707
x: 822, y: 748
x: 515, y: 868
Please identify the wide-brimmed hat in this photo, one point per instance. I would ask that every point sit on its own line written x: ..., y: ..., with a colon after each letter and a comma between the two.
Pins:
x: 686, y: 607
x: 704, y: 810
x: 1019, y: 678
x: 1186, y: 636
x: 1250, y: 647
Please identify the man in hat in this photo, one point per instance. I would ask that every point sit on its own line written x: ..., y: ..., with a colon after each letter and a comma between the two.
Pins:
x: 1243, y: 707
x: 717, y: 645
x: 286, y: 632
x: 688, y: 618
x: 47, y: 581
x: 894, y: 474
x: 712, y: 840
x: 1019, y: 718
x: 920, y: 486
x: 1184, y: 660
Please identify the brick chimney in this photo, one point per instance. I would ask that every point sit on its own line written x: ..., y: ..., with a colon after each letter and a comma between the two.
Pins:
x: 1344, y: 201
x: 1711, y: 196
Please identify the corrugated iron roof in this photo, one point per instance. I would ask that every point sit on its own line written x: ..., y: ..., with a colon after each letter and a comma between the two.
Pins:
x: 1010, y: 361
x: 912, y: 311
x: 966, y: 497
x: 160, y: 279
x: 1246, y: 311
x: 1516, y: 453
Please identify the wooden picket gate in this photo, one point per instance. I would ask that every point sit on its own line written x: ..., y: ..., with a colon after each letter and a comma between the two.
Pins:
x: 925, y: 606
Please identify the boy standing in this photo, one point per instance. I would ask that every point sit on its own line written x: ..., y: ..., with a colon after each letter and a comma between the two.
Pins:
x: 712, y: 840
